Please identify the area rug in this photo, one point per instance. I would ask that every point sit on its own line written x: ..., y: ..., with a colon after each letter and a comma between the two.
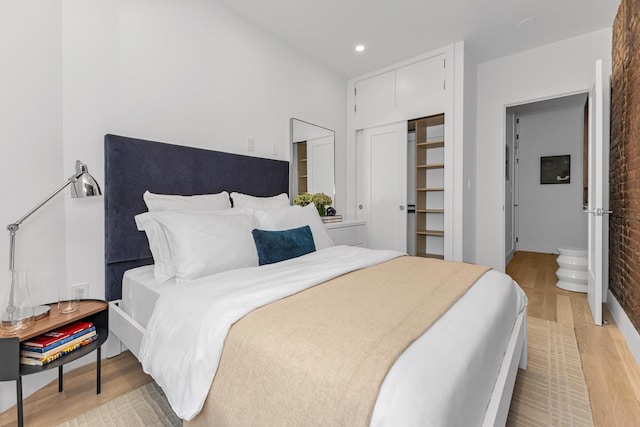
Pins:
x: 144, y: 406
x: 551, y: 392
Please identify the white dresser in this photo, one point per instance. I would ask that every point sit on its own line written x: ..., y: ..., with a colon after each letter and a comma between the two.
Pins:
x: 352, y: 233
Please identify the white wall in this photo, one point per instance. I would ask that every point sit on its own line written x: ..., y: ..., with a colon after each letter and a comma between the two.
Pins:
x: 556, y: 69
x: 190, y: 73
x: 31, y: 165
x: 551, y: 216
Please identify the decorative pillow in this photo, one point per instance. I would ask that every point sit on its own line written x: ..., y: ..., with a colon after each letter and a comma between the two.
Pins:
x: 276, y: 246
x: 207, y: 244
x: 246, y: 201
x: 203, y: 202
x: 294, y: 217
x: 148, y: 222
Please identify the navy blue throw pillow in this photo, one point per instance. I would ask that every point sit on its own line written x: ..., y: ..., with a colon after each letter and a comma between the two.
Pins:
x: 276, y: 246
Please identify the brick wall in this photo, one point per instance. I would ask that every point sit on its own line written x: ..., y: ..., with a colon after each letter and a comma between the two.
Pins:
x: 624, y: 224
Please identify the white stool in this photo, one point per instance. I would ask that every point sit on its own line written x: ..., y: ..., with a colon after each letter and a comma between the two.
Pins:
x: 572, y: 274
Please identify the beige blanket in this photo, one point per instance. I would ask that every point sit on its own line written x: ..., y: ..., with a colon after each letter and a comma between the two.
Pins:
x: 320, y: 356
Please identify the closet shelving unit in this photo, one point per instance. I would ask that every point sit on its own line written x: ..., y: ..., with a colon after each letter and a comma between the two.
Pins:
x: 430, y: 186
x: 301, y: 159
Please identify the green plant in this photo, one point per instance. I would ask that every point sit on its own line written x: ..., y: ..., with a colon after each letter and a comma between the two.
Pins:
x: 303, y: 199
x: 321, y: 199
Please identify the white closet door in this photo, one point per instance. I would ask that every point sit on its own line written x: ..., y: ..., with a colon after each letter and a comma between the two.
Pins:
x: 382, y: 185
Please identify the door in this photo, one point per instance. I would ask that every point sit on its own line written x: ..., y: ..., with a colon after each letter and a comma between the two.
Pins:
x: 509, y: 196
x: 516, y: 189
x: 598, y: 205
x: 382, y: 185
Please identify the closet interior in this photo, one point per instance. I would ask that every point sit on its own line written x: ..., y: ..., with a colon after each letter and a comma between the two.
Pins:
x: 426, y: 187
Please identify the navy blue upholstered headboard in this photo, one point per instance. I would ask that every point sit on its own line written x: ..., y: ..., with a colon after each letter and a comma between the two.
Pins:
x: 134, y: 165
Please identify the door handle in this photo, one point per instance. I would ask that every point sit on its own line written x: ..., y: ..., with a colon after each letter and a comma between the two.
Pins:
x: 598, y: 211
x: 360, y: 207
x: 401, y: 207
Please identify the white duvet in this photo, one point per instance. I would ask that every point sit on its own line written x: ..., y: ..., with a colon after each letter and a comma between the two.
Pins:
x: 182, y: 345
x: 444, y: 378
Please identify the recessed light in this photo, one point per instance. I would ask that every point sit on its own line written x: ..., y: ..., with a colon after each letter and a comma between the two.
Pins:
x: 360, y: 48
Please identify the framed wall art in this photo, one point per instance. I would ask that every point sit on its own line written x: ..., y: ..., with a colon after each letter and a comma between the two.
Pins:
x: 555, y: 169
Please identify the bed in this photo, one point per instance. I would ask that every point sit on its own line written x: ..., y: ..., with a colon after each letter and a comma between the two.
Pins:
x: 461, y: 371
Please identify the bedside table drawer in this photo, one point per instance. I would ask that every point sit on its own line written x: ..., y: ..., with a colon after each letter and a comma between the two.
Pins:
x: 348, y: 233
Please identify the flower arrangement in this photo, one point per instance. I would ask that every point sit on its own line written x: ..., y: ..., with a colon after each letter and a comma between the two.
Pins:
x: 303, y: 199
x: 320, y: 200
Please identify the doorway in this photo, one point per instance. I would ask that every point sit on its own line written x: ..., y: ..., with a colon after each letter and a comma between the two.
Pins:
x: 544, y: 176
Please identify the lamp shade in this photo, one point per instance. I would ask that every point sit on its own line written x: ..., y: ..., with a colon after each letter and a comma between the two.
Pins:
x: 84, y: 185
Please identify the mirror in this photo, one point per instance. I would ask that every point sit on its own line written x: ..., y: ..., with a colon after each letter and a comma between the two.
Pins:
x: 312, y: 159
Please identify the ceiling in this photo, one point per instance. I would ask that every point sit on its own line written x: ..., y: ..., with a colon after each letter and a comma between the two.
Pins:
x: 328, y: 30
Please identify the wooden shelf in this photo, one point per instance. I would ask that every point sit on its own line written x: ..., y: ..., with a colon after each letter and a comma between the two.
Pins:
x: 428, y: 255
x: 432, y: 166
x: 437, y: 211
x: 430, y: 232
x: 430, y: 144
x: 301, y: 166
x: 55, y: 319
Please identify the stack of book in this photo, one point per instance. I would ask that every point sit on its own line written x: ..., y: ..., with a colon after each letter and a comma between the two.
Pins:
x: 49, y: 346
x: 331, y: 219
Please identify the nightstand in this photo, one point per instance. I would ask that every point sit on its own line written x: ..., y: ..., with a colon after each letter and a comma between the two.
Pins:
x: 351, y: 233
x: 95, y: 311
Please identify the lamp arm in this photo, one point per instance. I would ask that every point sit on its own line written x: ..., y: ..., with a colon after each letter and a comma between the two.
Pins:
x: 13, y: 228
x: 69, y: 181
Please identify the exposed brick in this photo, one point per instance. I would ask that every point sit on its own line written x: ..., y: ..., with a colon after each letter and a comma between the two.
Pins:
x: 624, y: 178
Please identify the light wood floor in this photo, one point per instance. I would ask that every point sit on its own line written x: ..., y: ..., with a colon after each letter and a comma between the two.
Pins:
x: 611, y: 372
x: 612, y: 375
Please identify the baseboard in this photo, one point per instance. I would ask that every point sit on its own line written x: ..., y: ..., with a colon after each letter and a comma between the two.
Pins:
x: 629, y: 332
x: 509, y: 257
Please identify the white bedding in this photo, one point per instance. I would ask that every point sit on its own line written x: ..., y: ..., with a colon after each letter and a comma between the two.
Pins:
x: 428, y: 385
x: 140, y: 291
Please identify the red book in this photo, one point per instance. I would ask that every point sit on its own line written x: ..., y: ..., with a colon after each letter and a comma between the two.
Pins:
x: 58, y: 335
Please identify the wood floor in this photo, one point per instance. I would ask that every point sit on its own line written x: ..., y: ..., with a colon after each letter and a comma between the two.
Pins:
x: 611, y: 372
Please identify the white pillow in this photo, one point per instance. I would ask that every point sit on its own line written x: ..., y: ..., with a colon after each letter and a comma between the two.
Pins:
x: 207, y: 244
x: 163, y: 268
x: 294, y: 217
x: 246, y: 201
x: 148, y: 222
x: 204, y: 202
